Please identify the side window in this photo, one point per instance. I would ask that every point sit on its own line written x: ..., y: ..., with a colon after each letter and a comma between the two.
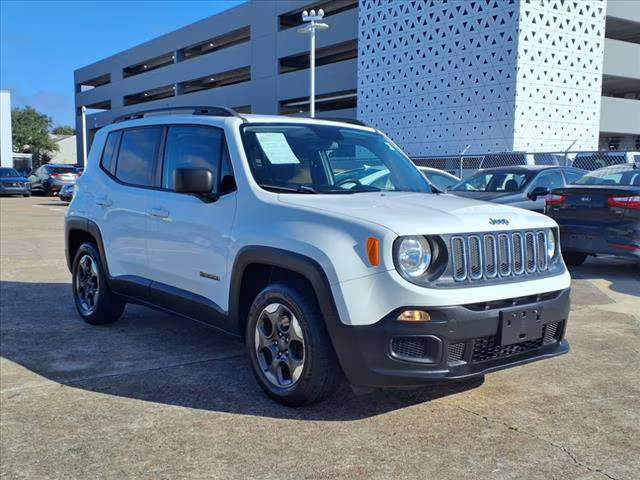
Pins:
x: 108, y: 160
x: 548, y: 180
x: 191, y: 147
x: 137, y: 157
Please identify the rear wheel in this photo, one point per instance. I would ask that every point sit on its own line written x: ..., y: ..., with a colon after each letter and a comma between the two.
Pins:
x: 94, y: 300
x: 289, y: 347
x: 574, y: 259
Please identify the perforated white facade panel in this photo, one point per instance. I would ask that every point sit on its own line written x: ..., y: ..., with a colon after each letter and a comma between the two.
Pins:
x: 497, y: 75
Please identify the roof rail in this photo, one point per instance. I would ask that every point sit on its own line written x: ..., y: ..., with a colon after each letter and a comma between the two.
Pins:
x: 216, y: 111
x: 344, y: 120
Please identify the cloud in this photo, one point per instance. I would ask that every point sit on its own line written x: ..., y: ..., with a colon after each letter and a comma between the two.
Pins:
x: 57, y: 105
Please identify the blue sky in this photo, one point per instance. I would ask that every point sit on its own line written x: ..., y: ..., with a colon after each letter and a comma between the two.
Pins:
x: 43, y: 42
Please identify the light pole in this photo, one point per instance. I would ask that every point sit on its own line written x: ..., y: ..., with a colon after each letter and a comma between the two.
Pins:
x: 84, y: 136
x: 314, y: 24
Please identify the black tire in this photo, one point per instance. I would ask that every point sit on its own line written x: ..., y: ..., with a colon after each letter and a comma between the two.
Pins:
x: 26, y: 194
x: 574, y: 259
x: 107, y: 306
x: 321, y: 373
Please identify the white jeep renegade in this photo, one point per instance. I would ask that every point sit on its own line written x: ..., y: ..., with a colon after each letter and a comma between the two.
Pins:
x: 317, y: 242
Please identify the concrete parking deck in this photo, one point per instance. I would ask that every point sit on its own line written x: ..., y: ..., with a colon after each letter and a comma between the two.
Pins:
x: 157, y: 397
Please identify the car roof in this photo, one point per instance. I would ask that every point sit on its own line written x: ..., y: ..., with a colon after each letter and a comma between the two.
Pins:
x: 522, y: 168
x: 436, y: 170
x: 161, y: 118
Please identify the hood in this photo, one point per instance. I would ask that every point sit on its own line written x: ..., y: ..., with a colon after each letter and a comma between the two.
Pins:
x: 409, y: 213
x: 499, y: 197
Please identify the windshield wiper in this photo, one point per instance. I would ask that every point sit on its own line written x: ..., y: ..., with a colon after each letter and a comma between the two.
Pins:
x: 284, y: 188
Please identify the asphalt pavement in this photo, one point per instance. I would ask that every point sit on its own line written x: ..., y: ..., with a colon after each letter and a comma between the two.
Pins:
x: 157, y: 397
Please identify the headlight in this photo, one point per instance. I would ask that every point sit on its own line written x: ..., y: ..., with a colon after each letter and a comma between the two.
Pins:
x: 414, y: 256
x: 551, y: 244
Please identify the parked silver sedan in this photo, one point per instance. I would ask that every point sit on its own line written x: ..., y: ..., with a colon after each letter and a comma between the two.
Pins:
x: 523, y: 186
x: 50, y: 178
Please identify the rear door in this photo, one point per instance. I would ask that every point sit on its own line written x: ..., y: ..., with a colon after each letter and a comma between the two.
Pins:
x: 129, y: 161
x: 190, y: 236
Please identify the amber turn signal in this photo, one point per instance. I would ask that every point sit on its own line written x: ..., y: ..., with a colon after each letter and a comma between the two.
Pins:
x: 373, y: 251
x: 414, y: 316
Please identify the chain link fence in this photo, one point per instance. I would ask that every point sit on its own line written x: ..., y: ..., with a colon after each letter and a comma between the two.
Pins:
x: 467, y: 164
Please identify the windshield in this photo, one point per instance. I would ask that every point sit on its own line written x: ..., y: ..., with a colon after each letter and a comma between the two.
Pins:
x: 309, y: 158
x: 502, y: 181
x: 8, y: 172
x: 625, y: 175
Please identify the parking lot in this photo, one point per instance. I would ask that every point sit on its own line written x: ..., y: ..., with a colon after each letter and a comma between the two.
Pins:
x: 154, y: 396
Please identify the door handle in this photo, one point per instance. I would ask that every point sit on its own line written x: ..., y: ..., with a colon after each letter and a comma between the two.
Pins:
x: 104, y: 202
x: 159, y: 213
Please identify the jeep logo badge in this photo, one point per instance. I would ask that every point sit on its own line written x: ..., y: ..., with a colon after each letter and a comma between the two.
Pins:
x: 498, y: 221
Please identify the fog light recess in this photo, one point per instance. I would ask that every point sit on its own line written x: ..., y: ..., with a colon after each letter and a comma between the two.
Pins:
x: 414, y: 316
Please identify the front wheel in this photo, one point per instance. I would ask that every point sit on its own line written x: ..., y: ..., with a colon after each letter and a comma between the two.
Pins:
x: 289, y: 347
x: 574, y: 259
x: 94, y: 300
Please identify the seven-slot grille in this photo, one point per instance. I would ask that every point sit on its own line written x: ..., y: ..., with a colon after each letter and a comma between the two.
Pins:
x: 506, y: 254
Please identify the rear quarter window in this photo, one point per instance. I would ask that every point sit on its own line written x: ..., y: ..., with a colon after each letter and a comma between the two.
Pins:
x: 108, y: 160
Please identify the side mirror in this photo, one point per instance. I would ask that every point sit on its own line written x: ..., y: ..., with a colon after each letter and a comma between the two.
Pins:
x: 538, y: 192
x: 193, y: 180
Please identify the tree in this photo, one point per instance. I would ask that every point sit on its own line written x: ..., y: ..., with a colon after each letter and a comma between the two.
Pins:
x: 31, y: 133
x: 64, y: 130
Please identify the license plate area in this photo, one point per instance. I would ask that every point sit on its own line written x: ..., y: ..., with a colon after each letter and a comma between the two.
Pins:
x: 517, y: 326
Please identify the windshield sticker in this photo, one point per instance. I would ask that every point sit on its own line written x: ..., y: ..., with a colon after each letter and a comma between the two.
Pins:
x: 277, y: 148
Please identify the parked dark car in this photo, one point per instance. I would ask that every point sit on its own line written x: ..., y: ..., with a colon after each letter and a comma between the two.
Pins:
x: 49, y: 179
x: 599, y: 214
x: 12, y: 183
x: 524, y: 186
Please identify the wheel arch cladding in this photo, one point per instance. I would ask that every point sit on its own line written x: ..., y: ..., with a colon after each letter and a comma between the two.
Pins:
x: 271, y: 264
x: 79, y: 230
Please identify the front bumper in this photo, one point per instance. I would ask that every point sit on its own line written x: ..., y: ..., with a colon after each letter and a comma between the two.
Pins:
x: 459, y: 342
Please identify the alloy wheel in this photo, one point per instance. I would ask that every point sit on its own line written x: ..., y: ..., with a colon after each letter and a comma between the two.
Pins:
x: 279, y: 345
x: 87, y: 284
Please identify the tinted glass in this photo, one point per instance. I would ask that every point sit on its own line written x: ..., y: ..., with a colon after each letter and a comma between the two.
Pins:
x: 108, y: 155
x: 328, y: 159
x: 549, y: 180
x: 624, y: 175
x: 8, y: 172
x: 191, y: 147
x: 137, y: 157
x: 502, y: 181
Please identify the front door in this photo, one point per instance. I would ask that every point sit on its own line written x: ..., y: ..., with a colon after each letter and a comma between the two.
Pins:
x: 189, y: 237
